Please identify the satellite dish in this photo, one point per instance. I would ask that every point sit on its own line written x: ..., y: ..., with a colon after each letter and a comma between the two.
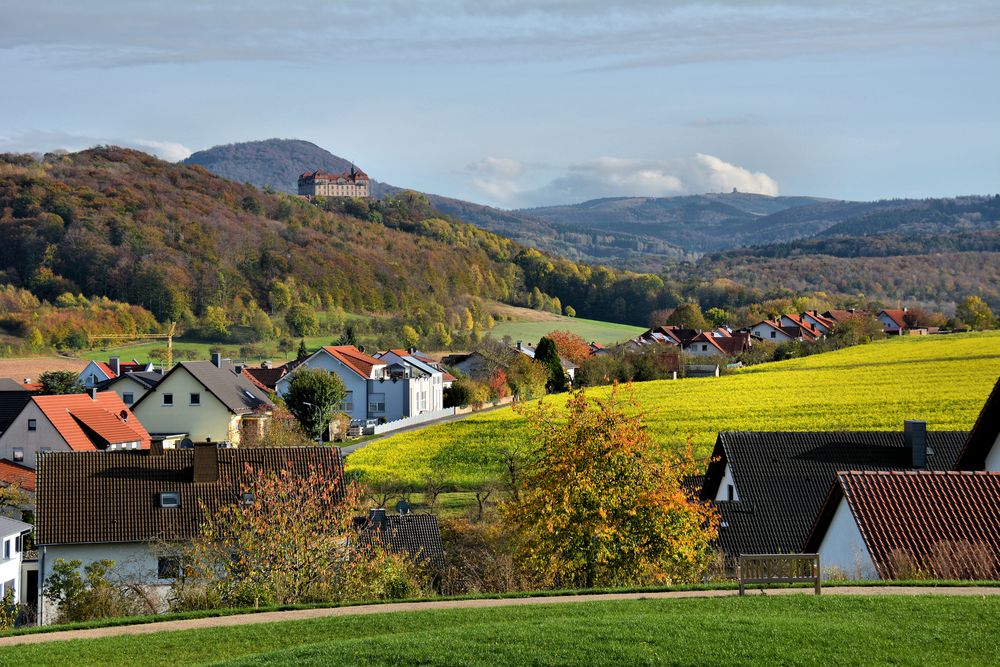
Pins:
x: 403, y: 507
x: 186, y: 443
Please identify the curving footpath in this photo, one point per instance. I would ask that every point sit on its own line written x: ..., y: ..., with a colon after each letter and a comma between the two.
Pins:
x: 387, y: 608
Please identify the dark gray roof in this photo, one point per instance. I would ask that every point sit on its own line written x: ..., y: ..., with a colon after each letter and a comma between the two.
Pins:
x: 984, y: 434
x: 147, y: 379
x: 415, y: 534
x: 783, y: 478
x: 13, y: 398
x: 99, y: 497
x: 233, y: 389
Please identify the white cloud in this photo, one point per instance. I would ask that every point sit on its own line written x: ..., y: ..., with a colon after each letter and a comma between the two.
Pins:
x: 626, y: 177
x: 171, y: 151
x: 44, y: 141
x: 498, y: 166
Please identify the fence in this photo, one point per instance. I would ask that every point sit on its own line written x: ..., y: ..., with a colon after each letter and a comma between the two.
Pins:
x: 422, y: 418
x: 778, y: 569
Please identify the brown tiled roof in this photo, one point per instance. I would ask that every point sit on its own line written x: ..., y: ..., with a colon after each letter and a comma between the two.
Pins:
x: 266, y: 378
x: 87, y: 423
x: 706, y: 338
x: 353, y: 358
x: 97, y: 497
x: 984, y: 434
x: 896, y: 315
x: 15, y: 473
x: 915, y: 513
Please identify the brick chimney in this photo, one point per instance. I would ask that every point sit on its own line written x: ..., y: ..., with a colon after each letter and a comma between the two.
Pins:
x: 915, y: 437
x: 206, y: 462
x: 115, y: 365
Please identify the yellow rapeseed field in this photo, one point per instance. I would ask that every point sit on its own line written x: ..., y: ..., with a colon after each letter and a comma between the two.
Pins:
x: 943, y: 379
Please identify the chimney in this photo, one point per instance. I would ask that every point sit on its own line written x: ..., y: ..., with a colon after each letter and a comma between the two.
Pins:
x: 115, y: 366
x: 27, y: 380
x: 93, y: 393
x: 265, y: 364
x: 361, y: 349
x: 412, y: 350
x: 915, y: 438
x: 217, y: 359
x: 519, y: 345
x: 239, y: 369
x: 376, y: 517
x: 206, y: 462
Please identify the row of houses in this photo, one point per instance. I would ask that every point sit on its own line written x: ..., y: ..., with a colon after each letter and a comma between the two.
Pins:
x: 871, y: 504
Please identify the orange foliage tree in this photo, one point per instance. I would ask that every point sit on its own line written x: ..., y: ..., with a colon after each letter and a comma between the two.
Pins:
x: 570, y: 346
x: 600, y: 503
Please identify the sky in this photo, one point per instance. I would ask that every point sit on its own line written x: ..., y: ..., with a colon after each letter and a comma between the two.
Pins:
x: 520, y: 104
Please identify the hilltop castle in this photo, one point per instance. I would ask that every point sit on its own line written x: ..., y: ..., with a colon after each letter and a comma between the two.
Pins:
x: 353, y: 183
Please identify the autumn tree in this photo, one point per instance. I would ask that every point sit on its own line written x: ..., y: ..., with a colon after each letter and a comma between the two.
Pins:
x: 313, y: 395
x: 688, y: 316
x: 548, y: 356
x: 856, y: 330
x: 60, y: 382
x: 975, y: 313
x: 302, y: 320
x: 570, y: 346
x: 600, y: 503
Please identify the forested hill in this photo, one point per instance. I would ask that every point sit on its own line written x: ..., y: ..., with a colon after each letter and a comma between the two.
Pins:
x: 178, y: 240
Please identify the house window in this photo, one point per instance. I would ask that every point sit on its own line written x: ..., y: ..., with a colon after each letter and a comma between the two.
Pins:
x: 168, y: 399
x: 730, y: 492
x: 774, y: 334
x: 6, y: 548
x: 168, y: 567
x: 32, y: 424
x: 704, y: 348
x: 170, y: 499
x: 376, y: 403
x: 347, y: 405
x: 195, y: 399
x: 128, y: 398
x: 19, y: 453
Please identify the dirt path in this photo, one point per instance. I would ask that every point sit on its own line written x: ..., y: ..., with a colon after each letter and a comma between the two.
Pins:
x: 361, y: 610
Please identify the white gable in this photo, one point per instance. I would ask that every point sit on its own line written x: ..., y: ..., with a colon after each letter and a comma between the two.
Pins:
x: 842, y: 551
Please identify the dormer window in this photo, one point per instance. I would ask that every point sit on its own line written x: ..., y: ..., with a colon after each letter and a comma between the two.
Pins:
x: 170, y: 499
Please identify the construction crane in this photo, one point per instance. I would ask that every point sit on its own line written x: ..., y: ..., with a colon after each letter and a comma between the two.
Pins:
x: 136, y: 336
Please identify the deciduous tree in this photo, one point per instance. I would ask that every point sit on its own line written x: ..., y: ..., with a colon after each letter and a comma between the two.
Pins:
x: 313, y: 395
x: 976, y: 313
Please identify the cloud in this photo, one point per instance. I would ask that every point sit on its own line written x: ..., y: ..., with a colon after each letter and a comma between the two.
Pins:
x: 45, y: 141
x: 623, y: 177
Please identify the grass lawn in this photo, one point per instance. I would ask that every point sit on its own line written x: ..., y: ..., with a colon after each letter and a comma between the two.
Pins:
x: 943, y: 379
x: 530, y: 325
x: 755, y: 630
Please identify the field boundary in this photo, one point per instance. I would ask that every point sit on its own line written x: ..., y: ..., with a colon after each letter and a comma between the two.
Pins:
x: 236, y: 619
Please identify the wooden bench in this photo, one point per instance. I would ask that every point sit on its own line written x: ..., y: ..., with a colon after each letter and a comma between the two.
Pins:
x: 778, y: 569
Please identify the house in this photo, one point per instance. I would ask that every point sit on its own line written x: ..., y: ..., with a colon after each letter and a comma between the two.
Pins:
x: 841, y: 316
x: 596, y: 349
x: 417, y: 535
x: 818, y: 322
x: 206, y: 400
x: 352, y: 183
x: 898, y: 525
x: 131, y: 385
x: 720, y: 342
x: 365, y: 379
x: 893, y: 321
x: 13, y: 397
x: 776, y: 332
x: 17, y: 475
x: 96, y: 372
x: 422, y: 386
x: 769, y: 487
x: 266, y: 376
x: 123, y: 506
x: 529, y: 351
x: 72, y: 422
x: 982, y: 449
x: 12, y: 534
x: 792, y: 320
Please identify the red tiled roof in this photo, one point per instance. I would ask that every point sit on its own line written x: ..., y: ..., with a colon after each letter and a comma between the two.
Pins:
x: 16, y: 474
x: 825, y: 321
x: 896, y: 316
x: 841, y: 315
x: 353, y: 358
x: 918, y: 514
x: 705, y: 338
x: 107, y: 369
x: 71, y: 414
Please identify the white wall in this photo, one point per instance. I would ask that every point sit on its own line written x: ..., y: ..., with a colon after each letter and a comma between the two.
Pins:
x: 887, y: 323
x: 727, y: 480
x: 133, y: 560
x: 129, y: 386
x: 18, y: 435
x: 92, y: 371
x: 764, y: 332
x: 10, y: 568
x: 993, y: 457
x: 843, y: 550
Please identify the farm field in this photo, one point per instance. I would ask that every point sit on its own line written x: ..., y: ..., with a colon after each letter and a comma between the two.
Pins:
x: 755, y: 630
x: 530, y: 325
x: 943, y: 379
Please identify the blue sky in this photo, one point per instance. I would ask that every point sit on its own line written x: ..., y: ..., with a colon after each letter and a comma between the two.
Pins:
x: 525, y: 104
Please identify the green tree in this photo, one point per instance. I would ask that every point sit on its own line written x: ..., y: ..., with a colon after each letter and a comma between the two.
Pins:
x: 348, y: 337
x: 570, y: 311
x: 313, y: 395
x: 215, y: 323
x: 60, y: 382
x: 261, y: 325
x: 35, y: 340
x: 718, y: 317
x: 975, y: 313
x: 548, y: 355
x: 302, y: 320
x: 441, y: 336
x: 688, y: 316
x: 410, y: 336
x: 303, y: 352
x: 279, y: 296
x: 599, y: 502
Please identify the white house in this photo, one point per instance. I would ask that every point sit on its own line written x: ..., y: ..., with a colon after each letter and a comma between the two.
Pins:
x: 11, y: 541
x: 772, y: 331
x: 157, y: 501
x: 371, y: 394
x: 131, y: 385
x: 71, y: 422
x: 423, y: 389
x: 97, y: 372
x: 822, y: 324
x: 894, y: 525
x: 892, y: 321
